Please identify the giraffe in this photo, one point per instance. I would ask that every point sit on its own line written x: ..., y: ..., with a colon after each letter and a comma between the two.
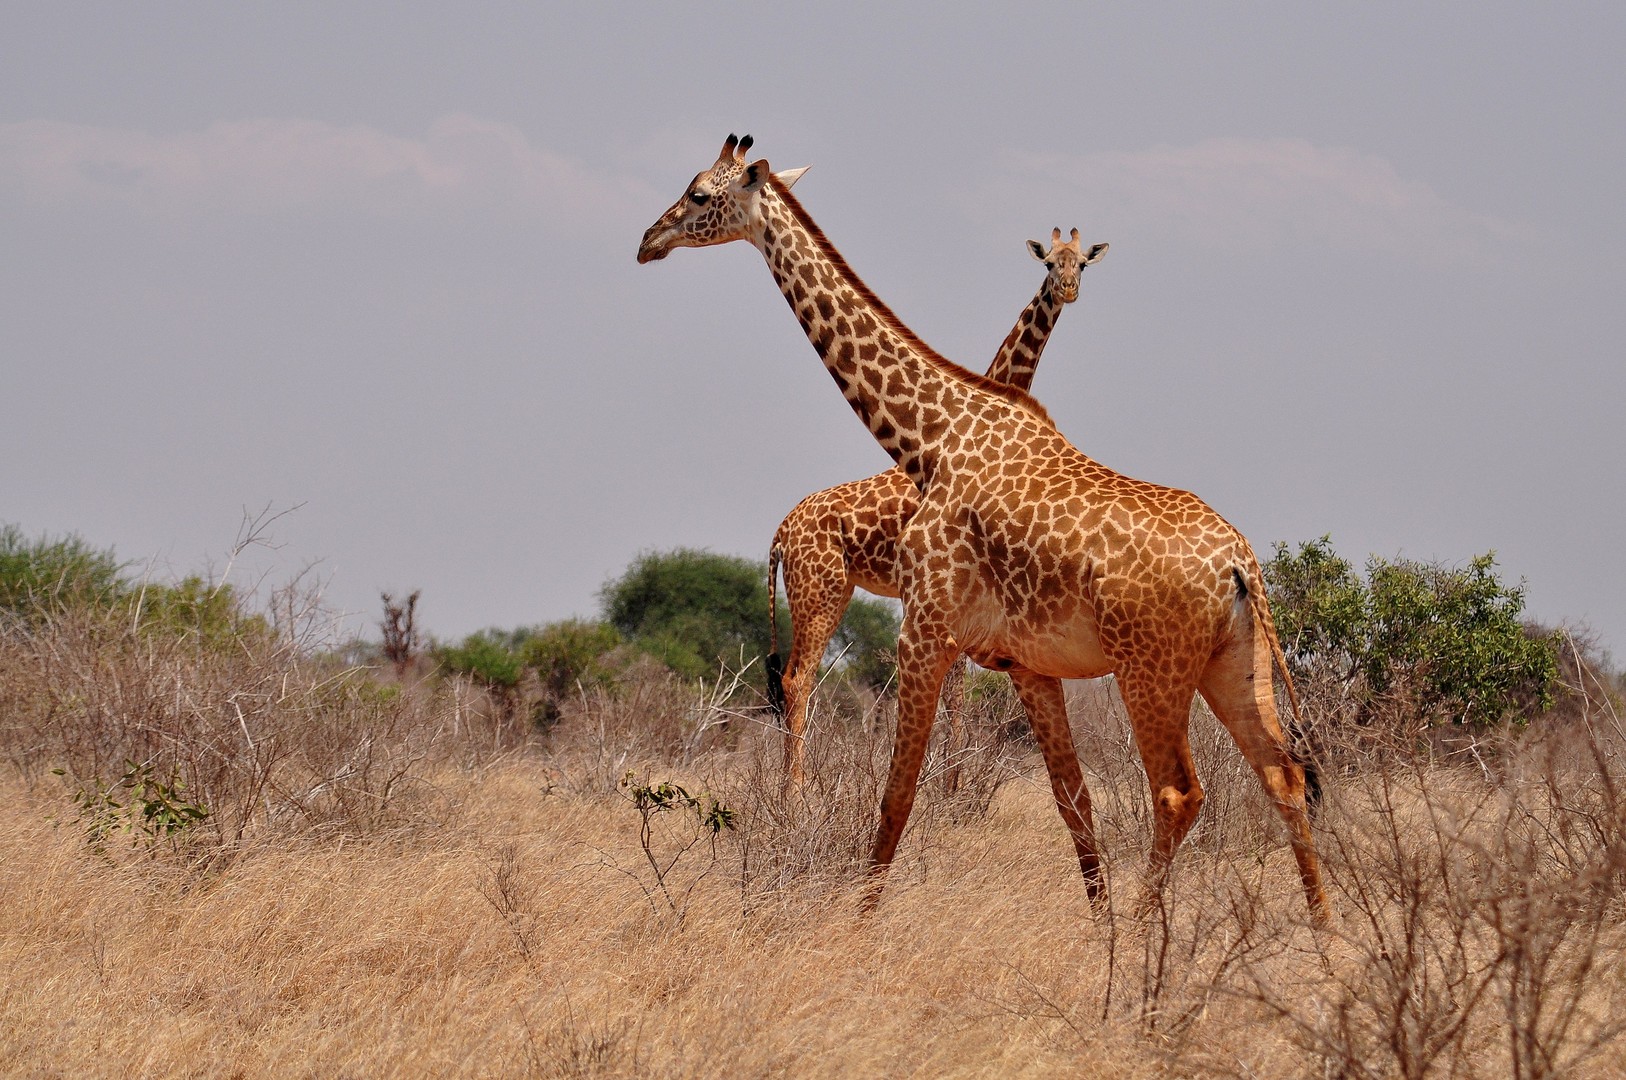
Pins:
x: 1025, y: 554
x: 846, y: 537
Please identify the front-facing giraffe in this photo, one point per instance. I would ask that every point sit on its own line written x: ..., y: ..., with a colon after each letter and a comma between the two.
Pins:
x: 846, y: 537
x: 1026, y: 554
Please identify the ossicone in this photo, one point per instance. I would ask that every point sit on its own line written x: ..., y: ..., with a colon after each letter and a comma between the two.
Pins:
x: 734, y: 149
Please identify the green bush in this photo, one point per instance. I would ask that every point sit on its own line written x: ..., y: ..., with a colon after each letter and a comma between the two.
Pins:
x: 867, y: 640
x: 1320, y: 607
x: 691, y: 609
x: 1446, y: 644
x: 46, y: 576
x: 566, y: 653
x: 535, y: 668
x: 210, y: 615
x: 491, y: 656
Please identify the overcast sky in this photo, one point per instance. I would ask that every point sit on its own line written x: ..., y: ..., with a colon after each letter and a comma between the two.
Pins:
x: 377, y: 262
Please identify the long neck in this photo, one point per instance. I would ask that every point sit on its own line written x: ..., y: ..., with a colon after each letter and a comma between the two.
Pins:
x: 904, y: 392
x: 1019, y: 356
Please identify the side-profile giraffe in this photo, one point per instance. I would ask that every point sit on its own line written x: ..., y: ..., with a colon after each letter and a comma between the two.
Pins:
x: 846, y: 537
x: 1025, y: 554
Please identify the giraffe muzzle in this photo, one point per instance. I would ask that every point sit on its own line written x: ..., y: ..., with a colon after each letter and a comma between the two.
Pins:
x: 651, y: 250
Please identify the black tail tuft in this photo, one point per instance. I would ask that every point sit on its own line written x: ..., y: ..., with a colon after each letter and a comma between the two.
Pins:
x: 1312, y: 787
x: 776, y: 684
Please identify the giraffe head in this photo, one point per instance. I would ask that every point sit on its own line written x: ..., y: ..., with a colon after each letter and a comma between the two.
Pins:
x: 716, y: 207
x: 1065, y: 260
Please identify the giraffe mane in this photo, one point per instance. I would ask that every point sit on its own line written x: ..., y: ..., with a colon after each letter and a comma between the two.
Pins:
x: 896, y: 325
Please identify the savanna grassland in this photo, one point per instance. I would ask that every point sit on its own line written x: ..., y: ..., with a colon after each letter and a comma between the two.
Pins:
x: 250, y: 859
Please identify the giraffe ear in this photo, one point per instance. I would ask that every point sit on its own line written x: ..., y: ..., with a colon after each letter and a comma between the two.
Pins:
x: 1093, y: 256
x: 755, y: 175
x: 790, y: 176
x: 1037, y: 249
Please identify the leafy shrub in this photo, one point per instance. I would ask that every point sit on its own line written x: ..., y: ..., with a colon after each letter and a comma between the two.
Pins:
x: 46, y: 575
x: 211, y: 616
x: 1442, y: 643
x: 490, y: 656
x: 1321, y: 610
x: 152, y: 810
x: 691, y: 609
x: 533, y: 669
x: 868, y: 641
x: 1454, y: 638
x: 564, y: 654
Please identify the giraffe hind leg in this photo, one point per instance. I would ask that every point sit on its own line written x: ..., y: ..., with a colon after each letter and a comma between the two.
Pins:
x: 1046, y: 706
x: 1237, y: 686
x: 953, y: 704
x: 812, y: 630
x: 818, y: 591
x: 1159, y: 713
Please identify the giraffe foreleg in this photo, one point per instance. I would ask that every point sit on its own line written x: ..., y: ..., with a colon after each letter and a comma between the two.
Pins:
x: 921, y: 667
x: 953, y: 704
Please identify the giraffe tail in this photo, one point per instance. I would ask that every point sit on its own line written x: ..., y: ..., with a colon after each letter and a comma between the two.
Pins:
x: 774, y: 665
x: 1296, y: 729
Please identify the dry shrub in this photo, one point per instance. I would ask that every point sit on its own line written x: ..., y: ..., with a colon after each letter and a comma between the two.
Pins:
x: 802, y: 845
x: 266, y: 738
x: 811, y: 840
x: 576, y: 1047
x: 1481, y: 913
x: 649, y: 718
x: 551, y: 927
x: 994, y: 742
x: 1106, y: 749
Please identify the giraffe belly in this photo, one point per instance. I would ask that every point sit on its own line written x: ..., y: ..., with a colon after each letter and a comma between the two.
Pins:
x: 875, y: 583
x: 1070, y: 649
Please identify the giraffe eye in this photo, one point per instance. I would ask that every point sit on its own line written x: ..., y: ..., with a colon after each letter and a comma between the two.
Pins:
x: 699, y: 198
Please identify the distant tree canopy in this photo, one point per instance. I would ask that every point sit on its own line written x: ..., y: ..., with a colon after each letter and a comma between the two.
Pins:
x: 695, y: 609
x: 691, y: 609
x: 1446, y: 643
x: 47, y: 576
x: 867, y: 641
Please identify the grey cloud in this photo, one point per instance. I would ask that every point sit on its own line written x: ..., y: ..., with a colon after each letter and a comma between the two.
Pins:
x: 279, y: 164
x: 1260, y: 193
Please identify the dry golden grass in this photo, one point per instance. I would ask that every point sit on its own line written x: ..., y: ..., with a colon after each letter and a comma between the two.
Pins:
x: 507, y: 943
x: 494, y: 913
